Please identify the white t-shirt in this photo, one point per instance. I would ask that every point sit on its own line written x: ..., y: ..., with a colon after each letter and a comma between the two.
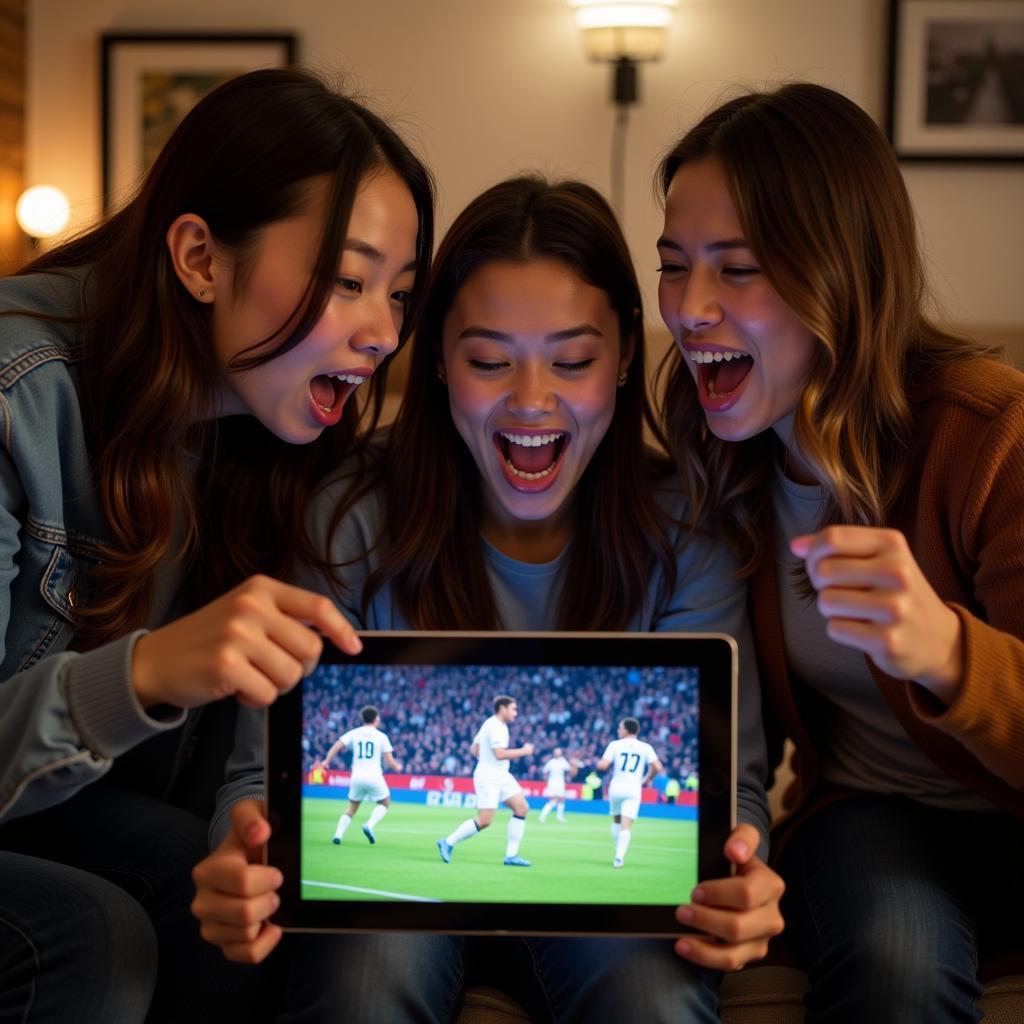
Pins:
x: 555, y: 769
x: 630, y: 759
x: 492, y: 734
x: 367, y: 744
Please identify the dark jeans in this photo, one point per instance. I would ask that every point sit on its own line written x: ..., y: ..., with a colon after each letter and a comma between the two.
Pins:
x: 94, y: 918
x: 890, y: 903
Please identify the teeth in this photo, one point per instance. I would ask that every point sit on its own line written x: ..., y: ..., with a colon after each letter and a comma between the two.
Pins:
x: 530, y: 476
x: 348, y: 378
x: 716, y: 357
x: 531, y: 441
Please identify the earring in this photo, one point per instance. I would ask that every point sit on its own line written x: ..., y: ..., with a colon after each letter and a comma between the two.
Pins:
x: 202, y: 292
x: 623, y: 377
x: 441, y: 377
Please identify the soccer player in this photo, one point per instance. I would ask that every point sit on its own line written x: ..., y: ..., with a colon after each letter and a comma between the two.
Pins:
x: 368, y: 745
x: 556, y: 768
x: 494, y: 784
x: 635, y: 763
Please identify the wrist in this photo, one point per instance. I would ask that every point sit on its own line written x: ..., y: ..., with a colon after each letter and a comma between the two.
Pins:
x: 944, y: 681
x: 143, y: 683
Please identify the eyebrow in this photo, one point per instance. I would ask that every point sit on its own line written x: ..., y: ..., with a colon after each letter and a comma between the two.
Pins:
x: 373, y: 253
x: 724, y: 243
x: 580, y: 330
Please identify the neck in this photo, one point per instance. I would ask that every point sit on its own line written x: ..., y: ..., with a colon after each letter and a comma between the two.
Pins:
x: 795, y: 467
x: 535, y: 542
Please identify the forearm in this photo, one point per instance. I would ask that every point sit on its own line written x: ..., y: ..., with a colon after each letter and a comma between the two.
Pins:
x: 64, y: 721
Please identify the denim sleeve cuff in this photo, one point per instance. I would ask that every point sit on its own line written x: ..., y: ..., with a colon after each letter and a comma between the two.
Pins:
x: 103, y: 704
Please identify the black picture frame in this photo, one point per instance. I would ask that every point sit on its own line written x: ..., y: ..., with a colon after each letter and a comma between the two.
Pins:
x: 149, y: 81
x: 956, y: 80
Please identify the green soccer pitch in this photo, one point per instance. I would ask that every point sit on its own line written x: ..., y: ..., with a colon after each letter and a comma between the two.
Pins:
x: 572, y: 860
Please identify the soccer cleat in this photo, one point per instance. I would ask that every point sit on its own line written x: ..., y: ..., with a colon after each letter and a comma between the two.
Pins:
x: 516, y: 862
x: 617, y: 863
x: 336, y: 840
x: 368, y: 832
x: 445, y: 849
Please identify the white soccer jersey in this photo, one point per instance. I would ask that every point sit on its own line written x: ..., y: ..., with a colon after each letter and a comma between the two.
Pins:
x: 630, y: 759
x: 555, y: 769
x: 493, y: 734
x: 366, y: 745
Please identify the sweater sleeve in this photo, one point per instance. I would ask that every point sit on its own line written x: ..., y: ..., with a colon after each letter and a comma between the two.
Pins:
x: 987, y: 716
x: 709, y: 598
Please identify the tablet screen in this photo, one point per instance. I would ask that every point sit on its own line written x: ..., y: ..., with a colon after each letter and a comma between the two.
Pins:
x: 614, y: 750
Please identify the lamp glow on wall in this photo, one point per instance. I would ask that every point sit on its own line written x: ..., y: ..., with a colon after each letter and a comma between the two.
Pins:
x: 624, y: 34
x: 42, y: 211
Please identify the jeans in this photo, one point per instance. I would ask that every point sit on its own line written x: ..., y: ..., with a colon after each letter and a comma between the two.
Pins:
x: 597, y: 980
x: 889, y: 903
x: 94, y: 917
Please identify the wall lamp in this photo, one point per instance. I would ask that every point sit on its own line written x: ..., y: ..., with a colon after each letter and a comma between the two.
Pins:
x: 42, y: 211
x: 623, y: 34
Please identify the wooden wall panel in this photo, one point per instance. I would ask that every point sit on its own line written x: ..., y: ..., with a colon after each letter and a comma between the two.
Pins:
x: 13, y: 244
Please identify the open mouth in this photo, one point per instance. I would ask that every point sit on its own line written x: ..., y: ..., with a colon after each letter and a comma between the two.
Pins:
x: 721, y: 373
x: 531, y: 457
x: 329, y: 390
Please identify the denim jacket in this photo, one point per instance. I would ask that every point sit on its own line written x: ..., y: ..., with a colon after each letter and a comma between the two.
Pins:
x: 64, y: 716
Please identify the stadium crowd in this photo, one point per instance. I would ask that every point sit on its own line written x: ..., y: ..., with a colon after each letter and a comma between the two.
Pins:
x: 431, y: 713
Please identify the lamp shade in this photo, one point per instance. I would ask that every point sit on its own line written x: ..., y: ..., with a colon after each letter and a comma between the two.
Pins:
x: 636, y: 29
x: 42, y: 211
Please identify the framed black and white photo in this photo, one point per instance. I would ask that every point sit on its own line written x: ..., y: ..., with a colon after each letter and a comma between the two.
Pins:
x: 956, y: 79
x: 150, y: 81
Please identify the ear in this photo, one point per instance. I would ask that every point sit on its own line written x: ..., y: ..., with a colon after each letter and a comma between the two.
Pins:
x: 629, y: 345
x: 192, y: 248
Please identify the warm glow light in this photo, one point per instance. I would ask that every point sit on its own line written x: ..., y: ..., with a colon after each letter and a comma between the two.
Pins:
x: 620, y: 15
x: 636, y: 29
x: 42, y: 211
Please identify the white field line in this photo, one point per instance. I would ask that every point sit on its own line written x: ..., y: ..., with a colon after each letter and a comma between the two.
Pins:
x: 373, y: 892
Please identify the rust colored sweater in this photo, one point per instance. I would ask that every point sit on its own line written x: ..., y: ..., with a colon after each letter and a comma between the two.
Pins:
x: 962, y: 512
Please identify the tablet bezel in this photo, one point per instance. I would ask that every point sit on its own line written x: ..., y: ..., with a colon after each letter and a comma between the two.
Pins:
x: 714, y: 655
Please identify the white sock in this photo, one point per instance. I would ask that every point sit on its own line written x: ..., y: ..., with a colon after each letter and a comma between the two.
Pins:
x: 515, y: 835
x: 378, y: 812
x: 622, y: 843
x: 343, y: 823
x: 560, y: 813
x: 615, y: 830
x: 546, y: 809
x: 464, y: 831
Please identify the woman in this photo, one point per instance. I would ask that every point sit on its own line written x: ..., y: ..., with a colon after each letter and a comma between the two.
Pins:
x: 519, y: 445
x: 868, y: 468
x: 175, y: 382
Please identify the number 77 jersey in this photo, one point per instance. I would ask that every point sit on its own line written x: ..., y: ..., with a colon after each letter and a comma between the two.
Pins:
x: 630, y: 759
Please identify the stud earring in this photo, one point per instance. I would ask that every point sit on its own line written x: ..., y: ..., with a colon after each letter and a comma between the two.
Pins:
x: 441, y: 377
x: 202, y: 292
x: 623, y: 377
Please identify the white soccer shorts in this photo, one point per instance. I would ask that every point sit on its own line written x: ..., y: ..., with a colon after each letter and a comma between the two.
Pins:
x: 368, y: 789
x: 627, y: 806
x: 491, y: 793
x: 554, y: 789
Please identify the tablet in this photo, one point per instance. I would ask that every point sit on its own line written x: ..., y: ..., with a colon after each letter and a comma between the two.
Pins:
x: 382, y: 767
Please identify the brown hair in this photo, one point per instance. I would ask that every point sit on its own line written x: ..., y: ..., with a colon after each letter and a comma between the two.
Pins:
x: 431, y: 549
x: 243, y: 158
x: 826, y: 213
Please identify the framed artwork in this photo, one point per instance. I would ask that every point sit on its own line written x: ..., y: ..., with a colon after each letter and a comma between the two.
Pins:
x: 150, y: 81
x: 956, y: 79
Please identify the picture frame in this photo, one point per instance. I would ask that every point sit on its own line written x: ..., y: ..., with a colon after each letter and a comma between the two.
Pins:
x: 150, y: 80
x: 956, y: 80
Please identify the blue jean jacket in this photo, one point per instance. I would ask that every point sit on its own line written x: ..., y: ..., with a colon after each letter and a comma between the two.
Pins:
x: 64, y: 716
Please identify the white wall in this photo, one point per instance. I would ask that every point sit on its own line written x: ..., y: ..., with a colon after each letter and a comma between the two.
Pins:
x: 489, y: 87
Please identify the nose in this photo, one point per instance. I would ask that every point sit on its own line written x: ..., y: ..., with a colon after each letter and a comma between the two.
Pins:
x: 699, y: 305
x: 531, y: 393
x: 377, y: 335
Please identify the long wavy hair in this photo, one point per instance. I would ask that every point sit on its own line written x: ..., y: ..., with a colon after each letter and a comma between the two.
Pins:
x: 431, y: 550
x: 825, y: 211
x: 242, y: 159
